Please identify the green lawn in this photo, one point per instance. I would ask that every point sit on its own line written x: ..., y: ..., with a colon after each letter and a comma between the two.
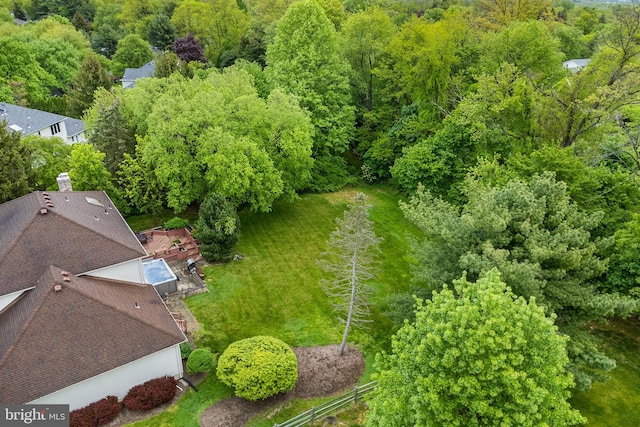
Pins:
x: 275, y: 291
x: 617, y: 401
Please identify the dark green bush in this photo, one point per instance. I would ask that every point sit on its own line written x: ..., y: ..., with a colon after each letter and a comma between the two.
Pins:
x: 185, y: 349
x: 175, y: 222
x: 200, y: 360
x: 258, y: 367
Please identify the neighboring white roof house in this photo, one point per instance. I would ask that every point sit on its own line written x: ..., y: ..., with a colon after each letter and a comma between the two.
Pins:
x: 575, y: 65
x: 35, y: 122
x: 133, y: 74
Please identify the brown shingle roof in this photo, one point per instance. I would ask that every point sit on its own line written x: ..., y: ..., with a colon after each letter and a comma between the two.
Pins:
x: 54, y: 339
x: 73, y: 234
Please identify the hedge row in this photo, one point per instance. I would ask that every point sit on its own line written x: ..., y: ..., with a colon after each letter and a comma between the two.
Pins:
x: 95, y: 414
x: 151, y: 394
x: 142, y: 397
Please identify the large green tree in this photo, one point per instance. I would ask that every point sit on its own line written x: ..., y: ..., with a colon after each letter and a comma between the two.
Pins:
x: 91, y: 76
x: 87, y: 170
x: 365, y: 36
x: 218, y: 228
x: 50, y: 157
x: 423, y: 55
x: 304, y: 59
x: 541, y: 243
x: 582, y: 105
x: 217, y: 135
x: 475, y: 356
x: 110, y: 132
x: 132, y: 52
x: 16, y: 175
x: 20, y: 73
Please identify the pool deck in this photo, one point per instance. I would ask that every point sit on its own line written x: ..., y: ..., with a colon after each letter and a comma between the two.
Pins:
x: 171, y: 245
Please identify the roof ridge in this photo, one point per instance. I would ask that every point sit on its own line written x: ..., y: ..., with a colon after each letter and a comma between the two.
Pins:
x: 21, y: 234
x: 75, y: 289
x: 32, y: 315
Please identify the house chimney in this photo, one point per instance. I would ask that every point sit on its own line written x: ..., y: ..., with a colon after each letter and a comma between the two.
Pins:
x: 57, y: 288
x: 64, y: 182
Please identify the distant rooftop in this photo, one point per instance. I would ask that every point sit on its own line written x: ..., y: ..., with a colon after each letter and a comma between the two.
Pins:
x: 575, y: 65
x: 30, y: 121
x: 133, y: 74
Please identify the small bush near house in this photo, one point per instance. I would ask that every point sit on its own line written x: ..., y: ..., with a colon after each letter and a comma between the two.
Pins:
x: 258, y: 367
x: 151, y: 394
x: 96, y: 414
x: 175, y: 222
x: 185, y: 349
x: 200, y: 360
x: 82, y: 417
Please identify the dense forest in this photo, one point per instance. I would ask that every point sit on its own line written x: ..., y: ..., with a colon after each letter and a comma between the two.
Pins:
x: 507, y: 158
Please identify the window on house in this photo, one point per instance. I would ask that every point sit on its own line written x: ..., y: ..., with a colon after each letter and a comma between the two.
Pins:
x: 55, y: 128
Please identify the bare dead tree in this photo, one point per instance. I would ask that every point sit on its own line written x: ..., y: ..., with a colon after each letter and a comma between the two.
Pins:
x: 350, y: 259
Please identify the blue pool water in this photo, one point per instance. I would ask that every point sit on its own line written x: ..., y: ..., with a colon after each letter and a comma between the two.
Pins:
x: 157, y: 271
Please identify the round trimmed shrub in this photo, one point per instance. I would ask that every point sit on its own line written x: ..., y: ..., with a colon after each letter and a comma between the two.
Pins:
x: 200, y: 360
x: 258, y: 367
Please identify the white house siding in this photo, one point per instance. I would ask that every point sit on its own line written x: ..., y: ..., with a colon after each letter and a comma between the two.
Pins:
x: 119, y: 381
x: 129, y: 271
x: 5, y: 300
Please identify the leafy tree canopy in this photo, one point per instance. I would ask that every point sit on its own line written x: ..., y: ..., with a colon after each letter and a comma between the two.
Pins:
x: 476, y: 356
x: 132, y: 52
x: 217, y: 135
x: 304, y: 60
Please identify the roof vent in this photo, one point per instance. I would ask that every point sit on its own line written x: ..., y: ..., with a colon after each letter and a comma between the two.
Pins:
x: 43, y: 211
x: 45, y: 194
x: 57, y: 288
x: 49, y: 204
x: 96, y: 218
x: 66, y: 278
x: 64, y: 273
x: 94, y: 202
x: 137, y: 306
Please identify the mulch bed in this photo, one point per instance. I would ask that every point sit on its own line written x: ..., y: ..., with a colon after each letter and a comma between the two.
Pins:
x: 321, y: 373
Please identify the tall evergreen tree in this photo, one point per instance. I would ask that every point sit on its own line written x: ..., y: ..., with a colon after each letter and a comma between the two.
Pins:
x: 218, y: 228
x: 16, y: 175
x: 111, y: 133
x: 91, y: 76
x: 541, y: 243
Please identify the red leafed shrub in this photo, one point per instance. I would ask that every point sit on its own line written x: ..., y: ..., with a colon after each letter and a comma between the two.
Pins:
x: 151, y: 394
x: 95, y: 414
x: 105, y: 410
x: 82, y: 417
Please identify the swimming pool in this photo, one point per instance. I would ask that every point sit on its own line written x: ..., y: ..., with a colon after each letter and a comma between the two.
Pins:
x: 158, y: 273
